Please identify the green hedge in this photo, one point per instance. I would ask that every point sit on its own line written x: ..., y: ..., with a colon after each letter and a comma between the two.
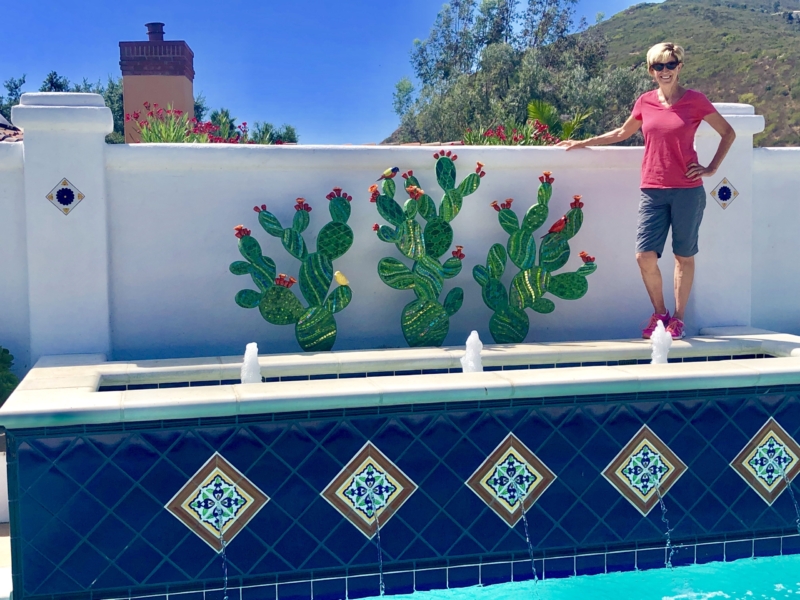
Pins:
x: 8, y: 381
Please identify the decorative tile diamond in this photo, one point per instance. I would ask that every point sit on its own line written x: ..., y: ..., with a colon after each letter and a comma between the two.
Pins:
x: 724, y: 193
x: 369, y: 490
x: 768, y: 460
x: 65, y: 196
x: 511, y: 479
x: 644, y: 468
x: 217, y: 502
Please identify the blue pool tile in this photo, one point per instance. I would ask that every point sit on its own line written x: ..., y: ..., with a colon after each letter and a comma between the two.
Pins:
x: 459, y: 577
x: 397, y: 583
x: 522, y: 570
x: 738, y: 549
x: 430, y: 579
x: 653, y: 558
x: 683, y: 555
x: 85, y: 565
x: 706, y: 553
x: 492, y: 573
x: 620, y: 561
x: 326, y: 589
x: 790, y: 544
x: 590, y: 564
x: 233, y: 594
x: 366, y: 586
x: 767, y: 547
x: 294, y: 591
x: 555, y: 568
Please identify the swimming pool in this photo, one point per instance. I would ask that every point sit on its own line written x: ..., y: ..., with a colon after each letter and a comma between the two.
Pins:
x: 773, y: 578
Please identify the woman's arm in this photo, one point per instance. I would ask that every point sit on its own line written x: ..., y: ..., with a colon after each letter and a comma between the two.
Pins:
x: 724, y: 129
x: 619, y: 134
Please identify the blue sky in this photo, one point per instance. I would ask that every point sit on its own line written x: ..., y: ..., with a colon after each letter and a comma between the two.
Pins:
x: 328, y: 68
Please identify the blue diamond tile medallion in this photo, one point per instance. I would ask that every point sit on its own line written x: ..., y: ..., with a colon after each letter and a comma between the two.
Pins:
x: 369, y: 490
x: 724, y: 193
x: 643, y: 469
x: 768, y: 460
x: 65, y: 196
x: 217, y: 502
x: 511, y: 479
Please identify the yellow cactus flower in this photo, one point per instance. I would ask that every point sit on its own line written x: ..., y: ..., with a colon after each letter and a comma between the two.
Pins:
x: 340, y: 278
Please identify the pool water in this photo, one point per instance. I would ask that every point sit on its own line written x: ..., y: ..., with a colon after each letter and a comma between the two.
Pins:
x: 748, y: 579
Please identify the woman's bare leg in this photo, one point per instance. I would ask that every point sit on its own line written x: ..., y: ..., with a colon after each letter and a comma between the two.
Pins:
x: 684, y: 277
x: 651, y: 275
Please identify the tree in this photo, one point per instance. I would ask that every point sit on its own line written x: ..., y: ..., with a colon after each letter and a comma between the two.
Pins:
x: 55, y: 83
x: 13, y: 93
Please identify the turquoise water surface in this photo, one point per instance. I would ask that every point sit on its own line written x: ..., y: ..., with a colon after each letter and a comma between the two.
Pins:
x: 771, y: 578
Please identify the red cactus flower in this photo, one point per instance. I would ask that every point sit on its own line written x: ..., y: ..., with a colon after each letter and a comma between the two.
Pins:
x: 258, y: 209
x: 404, y: 176
x: 448, y: 154
x: 479, y: 167
x: 495, y: 206
x: 481, y: 174
x: 301, y: 204
x: 586, y: 258
x: 285, y: 281
x: 545, y: 178
x: 454, y: 158
x: 349, y: 198
x: 410, y: 172
x: 507, y: 203
x: 436, y: 155
x: 576, y: 203
x: 337, y: 191
x: 241, y: 231
x: 414, y: 192
x: 457, y: 253
x: 375, y: 227
x: 374, y: 192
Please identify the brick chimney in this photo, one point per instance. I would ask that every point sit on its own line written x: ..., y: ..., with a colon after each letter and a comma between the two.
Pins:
x: 156, y: 71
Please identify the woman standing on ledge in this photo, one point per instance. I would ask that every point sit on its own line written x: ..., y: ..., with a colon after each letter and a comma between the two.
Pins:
x: 672, y: 193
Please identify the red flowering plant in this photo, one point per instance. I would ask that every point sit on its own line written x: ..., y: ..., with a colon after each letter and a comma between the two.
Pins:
x: 531, y: 133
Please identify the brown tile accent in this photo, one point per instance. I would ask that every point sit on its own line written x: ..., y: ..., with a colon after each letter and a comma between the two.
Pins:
x: 547, y: 477
x: 740, y: 465
x: 175, y: 505
x: 379, y: 459
x: 645, y: 434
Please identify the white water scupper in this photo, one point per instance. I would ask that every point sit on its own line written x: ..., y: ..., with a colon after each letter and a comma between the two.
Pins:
x: 471, y: 361
x: 660, y: 341
x: 251, y: 371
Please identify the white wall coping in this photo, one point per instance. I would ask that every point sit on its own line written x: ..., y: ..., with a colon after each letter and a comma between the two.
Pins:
x: 775, y: 159
x: 62, y: 390
x: 71, y: 99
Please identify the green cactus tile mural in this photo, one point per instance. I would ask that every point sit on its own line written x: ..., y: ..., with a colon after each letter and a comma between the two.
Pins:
x: 509, y: 323
x: 425, y: 320
x: 315, y: 325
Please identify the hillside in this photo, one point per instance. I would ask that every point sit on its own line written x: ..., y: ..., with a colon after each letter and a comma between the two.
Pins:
x: 735, y: 52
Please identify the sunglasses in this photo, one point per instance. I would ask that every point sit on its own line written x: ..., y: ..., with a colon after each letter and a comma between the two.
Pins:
x: 671, y: 65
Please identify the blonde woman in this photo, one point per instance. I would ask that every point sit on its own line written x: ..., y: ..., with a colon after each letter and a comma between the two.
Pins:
x: 672, y: 194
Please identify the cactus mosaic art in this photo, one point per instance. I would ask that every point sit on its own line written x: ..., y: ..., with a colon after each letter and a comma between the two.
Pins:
x: 315, y: 325
x: 509, y: 323
x: 425, y: 320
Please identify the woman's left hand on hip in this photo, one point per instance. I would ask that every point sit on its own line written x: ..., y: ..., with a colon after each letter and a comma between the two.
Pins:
x: 696, y: 171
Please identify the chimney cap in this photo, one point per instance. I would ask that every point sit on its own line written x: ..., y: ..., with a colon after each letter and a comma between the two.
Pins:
x: 155, y: 32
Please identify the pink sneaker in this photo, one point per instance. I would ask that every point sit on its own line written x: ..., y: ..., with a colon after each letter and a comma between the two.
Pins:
x: 675, y: 328
x: 651, y: 325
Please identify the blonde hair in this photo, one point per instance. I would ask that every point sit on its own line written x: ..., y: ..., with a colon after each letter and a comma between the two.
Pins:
x: 663, y: 53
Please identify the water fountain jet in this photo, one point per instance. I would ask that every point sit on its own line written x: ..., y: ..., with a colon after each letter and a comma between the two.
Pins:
x: 661, y: 341
x: 251, y: 371
x: 471, y: 361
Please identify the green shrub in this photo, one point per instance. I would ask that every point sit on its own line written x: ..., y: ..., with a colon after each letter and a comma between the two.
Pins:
x: 8, y: 381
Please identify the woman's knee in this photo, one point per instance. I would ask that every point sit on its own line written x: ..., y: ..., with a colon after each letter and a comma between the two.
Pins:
x: 647, y: 260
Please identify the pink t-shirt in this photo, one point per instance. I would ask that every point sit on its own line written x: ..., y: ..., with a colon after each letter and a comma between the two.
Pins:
x: 669, y: 138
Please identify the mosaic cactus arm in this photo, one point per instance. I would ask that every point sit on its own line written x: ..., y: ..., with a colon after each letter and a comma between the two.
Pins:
x: 424, y: 321
x: 509, y: 322
x: 315, y: 325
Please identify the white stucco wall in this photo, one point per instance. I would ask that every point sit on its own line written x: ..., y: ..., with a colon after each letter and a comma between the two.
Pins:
x: 14, y: 332
x: 161, y: 217
x: 776, y: 227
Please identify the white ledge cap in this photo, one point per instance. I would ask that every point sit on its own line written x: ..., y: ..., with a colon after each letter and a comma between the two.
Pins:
x: 61, y: 99
x: 734, y: 108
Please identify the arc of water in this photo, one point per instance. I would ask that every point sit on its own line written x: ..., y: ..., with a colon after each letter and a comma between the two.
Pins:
x: 791, y: 495
x: 522, y: 495
x: 380, y: 551
x: 670, y: 549
x: 218, y: 513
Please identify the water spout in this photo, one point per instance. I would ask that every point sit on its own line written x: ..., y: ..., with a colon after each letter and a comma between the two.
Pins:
x: 660, y: 341
x: 222, y: 554
x: 251, y: 371
x: 792, y: 496
x: 471, y: 361
x: 382, y: 587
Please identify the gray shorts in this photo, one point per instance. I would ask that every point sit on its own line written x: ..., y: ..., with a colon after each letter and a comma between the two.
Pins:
x: 661, y: 208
